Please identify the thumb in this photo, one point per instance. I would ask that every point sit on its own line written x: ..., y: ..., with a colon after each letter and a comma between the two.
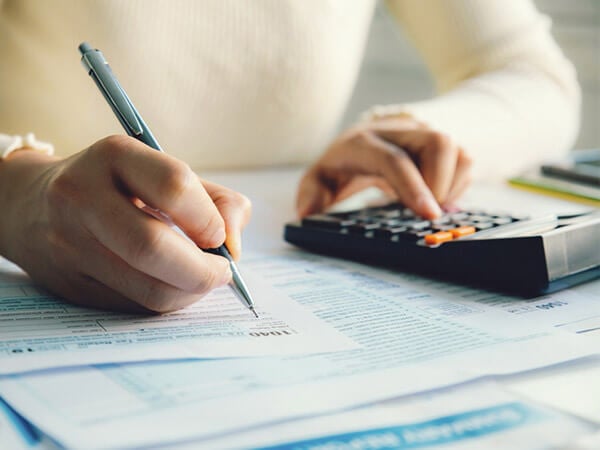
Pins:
x: 235, y: 209
x: 313, y: 195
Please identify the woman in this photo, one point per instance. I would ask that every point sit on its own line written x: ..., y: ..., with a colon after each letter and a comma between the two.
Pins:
x: 229, y: 84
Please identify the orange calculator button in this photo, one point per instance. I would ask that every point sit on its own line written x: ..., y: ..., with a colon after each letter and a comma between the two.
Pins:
x: 462, y: 231
x: 438, y: 238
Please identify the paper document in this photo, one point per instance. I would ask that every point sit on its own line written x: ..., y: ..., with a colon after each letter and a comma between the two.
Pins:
x: 574, y: 389
x: 577, y: 312
x: 587, y: 442
x: 16, y: 433
x: 412, y: 341
x: 40, y: 331
x: 472, y: 417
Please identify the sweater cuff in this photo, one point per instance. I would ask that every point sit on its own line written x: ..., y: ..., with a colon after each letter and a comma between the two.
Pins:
x: 9, y: 144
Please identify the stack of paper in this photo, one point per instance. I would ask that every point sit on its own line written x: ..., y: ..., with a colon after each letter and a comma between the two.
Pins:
x: 333, y: 336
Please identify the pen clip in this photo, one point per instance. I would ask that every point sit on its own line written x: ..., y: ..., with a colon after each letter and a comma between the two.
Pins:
x: 99, y: 70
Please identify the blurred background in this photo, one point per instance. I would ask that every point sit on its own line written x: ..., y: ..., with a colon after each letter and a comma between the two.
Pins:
x: 576, y: 27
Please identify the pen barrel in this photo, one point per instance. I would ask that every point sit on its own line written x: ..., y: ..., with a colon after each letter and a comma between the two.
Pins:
x: 97, y: 67
x: 238, y: 284
x: 219, y: 251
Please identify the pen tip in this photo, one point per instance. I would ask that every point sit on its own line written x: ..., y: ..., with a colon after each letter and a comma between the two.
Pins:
x: 254, y: 311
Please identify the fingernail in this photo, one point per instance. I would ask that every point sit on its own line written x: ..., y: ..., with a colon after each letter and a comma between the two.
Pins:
x: 302, y: 208
x: 427, y: 204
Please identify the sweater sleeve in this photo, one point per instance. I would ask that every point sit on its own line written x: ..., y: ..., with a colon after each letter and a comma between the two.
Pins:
x: 507, y: 94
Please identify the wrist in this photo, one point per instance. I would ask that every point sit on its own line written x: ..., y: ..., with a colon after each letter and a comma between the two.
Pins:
x: 22, y: 173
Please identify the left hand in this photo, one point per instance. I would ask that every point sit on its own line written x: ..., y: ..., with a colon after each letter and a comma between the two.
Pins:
x: 423, y: 168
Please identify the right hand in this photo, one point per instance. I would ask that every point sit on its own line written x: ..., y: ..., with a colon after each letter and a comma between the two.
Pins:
x: 77, y: 228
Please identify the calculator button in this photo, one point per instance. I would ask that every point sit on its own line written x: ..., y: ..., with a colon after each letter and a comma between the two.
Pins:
x: 391, y: 214
x: 408, y: 213
x: 438, y: 238
x: 388, y: 232
x: 462, y: 231
x: 413, y: 235
x: 362, y: 228
x: 417, y: 224
x: 366, y: 220
x: 391, y: 223
x: 483, y: 225
x: 480, y: 218
x: 464, y: 223
x: 446, y: 227
x: 326, y: 221
x: 441, y: 221
x: 456, y: 217
x: 502, y: 221
x: 477, y: 212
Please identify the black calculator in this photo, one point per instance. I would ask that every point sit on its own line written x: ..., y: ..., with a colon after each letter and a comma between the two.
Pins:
x: 507, y: 252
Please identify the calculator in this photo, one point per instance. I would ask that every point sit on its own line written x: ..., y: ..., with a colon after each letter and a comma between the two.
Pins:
x: 512, y: 253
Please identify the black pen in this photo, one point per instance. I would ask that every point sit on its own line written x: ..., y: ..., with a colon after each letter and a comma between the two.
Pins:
x: 134, y: 125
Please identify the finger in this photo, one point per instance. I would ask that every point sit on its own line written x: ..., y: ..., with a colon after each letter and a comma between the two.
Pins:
x: 152, y: 247
x: 405, y: 178
x: 150, y: 293
x: 170, y: 186
x: 459, y: 190
x: 435, y: 152
x: 85, y: 291
x: 438, y: 165
x: 235, y: 209
x: 76, y: 288
x: 462, y: 178
x: 378, y: 156
x: 314, y: 195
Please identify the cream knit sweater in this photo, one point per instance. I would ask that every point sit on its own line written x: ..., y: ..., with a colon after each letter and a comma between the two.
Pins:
x: 247, y: 83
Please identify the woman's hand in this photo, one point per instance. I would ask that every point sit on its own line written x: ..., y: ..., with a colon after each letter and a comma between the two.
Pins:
x: 77, y: 227
x: 422, y: 168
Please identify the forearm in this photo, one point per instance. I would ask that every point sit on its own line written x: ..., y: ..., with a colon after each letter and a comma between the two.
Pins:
x: 508, y: 94
x: 507, y: 120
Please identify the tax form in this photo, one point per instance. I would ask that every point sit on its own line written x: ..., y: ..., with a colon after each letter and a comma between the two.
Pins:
x: 572, y: 389
x: 39, y: 331
x: 412, y: 340
x: 475, y: 416
x: 16, y: 433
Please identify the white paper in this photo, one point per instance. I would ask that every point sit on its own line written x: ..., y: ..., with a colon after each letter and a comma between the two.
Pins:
x: 586, y: 442
x: 472, y: 417
x: 413, y: 341
x: 567, y: 309
x: 572, y: 389
x: 40, y: 331
x: 17, y: 434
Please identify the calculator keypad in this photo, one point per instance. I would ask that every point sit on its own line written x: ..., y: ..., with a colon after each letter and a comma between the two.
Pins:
x: 395, y: 222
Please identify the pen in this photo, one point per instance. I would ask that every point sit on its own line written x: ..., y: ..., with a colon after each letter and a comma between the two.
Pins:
x: 97, y: 67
